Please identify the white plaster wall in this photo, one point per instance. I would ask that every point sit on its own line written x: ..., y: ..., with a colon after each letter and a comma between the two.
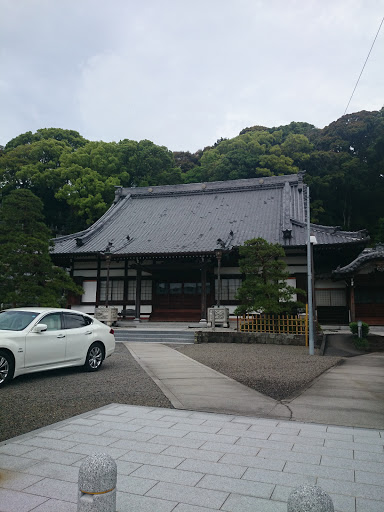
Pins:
x: 89, y: 294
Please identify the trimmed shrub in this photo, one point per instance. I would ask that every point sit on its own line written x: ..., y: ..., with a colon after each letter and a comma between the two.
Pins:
x: 364, y: 329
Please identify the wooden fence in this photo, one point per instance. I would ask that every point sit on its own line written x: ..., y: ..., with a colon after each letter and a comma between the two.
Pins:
x: 275, y: 324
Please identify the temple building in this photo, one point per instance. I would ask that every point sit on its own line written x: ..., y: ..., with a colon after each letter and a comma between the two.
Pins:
x: 364, y: 278
x: 164, y: 252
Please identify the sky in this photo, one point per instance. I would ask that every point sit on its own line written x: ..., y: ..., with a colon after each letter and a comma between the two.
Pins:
x: 185, y: 73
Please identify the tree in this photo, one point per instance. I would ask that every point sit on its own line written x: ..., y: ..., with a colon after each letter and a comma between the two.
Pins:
x: 36, y: 166
x: 253, y: 153
x: 27, y: 274
x: 70, y: 137
x: 265, y: 287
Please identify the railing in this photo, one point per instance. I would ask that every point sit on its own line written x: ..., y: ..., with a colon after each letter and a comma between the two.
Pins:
x: 274, y: 324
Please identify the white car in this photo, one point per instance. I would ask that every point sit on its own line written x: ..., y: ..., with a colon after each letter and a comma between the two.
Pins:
x: 38, y: 339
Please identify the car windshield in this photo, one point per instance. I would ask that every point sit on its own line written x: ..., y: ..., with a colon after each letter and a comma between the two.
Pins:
x: 16, y: 320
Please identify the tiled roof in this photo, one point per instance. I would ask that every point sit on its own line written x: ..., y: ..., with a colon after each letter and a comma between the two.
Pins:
x: 368, y: 255
x: 198, y: 218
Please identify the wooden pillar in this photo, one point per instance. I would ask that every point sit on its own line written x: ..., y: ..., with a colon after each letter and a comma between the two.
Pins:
x: 138, y: 295
x: 125, y: 293
x: 218, y: 257
x: 203, y: 293
x: 107, y: 284
x: 352, y: 301
x: 98, y: 286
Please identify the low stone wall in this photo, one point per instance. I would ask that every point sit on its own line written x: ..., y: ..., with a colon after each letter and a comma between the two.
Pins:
x: 248, y: 337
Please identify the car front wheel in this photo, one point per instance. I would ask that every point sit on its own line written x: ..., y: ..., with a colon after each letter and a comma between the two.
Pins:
x: 94, y: 357
x: 6, y: 367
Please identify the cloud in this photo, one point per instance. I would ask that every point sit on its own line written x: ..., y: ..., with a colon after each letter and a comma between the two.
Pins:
x: 183, y: 74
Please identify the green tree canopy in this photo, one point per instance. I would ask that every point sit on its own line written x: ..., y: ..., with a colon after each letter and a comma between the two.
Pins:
x: 36, y: 166
x: 345, y: 171
x: 253, y: 153
x: 70, y: 137
x: 27, y: 274
x: 75, y: 178
x: 265, y: 287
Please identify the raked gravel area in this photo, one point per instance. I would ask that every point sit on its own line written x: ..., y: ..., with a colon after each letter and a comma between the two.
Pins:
x: 36, y: 400
x: 280, y: 372
x: 39, y: 399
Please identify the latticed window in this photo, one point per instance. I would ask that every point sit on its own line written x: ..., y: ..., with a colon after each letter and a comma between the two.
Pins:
x: 331, y: 297
x: 131, y: 290
x: 115, y: 290
x: 229, y: 288
x: 146, y: 290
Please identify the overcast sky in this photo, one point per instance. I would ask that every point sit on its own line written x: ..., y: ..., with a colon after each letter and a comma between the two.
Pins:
x: 184, y: 73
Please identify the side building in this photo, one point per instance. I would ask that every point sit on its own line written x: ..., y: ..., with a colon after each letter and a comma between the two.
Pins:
x: 160, y: 250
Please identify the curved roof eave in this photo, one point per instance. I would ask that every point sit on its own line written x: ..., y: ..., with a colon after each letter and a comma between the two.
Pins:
x: 367, y: 256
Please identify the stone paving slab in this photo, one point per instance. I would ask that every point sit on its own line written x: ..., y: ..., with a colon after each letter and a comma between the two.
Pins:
x: 186, y: 461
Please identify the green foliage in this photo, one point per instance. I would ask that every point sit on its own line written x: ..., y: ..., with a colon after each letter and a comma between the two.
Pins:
x: 344, y: 171
x: 265, y: 288
x: 364, y: 328
x: 251, y: 154
x: 361, y: 343
x: 75, y: 178
x: 36, y: 166
x: 27, y: 274
x: 69, y: 137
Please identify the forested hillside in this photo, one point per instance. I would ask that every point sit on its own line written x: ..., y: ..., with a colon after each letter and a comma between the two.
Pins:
x: 75, y: 177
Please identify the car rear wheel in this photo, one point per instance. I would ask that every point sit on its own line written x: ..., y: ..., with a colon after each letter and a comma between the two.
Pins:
x: 94, y: 357
x: 6, y: 367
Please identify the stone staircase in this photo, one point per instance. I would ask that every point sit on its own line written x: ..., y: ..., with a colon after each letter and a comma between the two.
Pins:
x: 153, y: 336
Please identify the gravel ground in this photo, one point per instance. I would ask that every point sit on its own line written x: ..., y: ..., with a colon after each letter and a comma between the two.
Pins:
x: 280, y: 372
x: 40, y: 399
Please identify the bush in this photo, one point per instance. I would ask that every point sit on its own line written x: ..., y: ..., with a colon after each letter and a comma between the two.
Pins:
x: 361, y: 343
x: 364, y: 329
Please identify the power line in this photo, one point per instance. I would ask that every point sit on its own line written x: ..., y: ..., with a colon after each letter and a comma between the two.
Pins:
x: 366, y: 60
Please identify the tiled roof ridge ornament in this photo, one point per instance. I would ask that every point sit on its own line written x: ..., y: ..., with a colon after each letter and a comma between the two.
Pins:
x: 286, y: 213
x: 118, y: 193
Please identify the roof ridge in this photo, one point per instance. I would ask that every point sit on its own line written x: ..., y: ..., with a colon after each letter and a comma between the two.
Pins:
x: 210, y: 186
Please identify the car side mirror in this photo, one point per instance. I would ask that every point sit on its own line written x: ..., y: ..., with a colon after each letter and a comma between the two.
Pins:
x: 40, y: 328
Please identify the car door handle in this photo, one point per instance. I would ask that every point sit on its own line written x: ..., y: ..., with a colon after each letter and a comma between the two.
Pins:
x: 61, y: 336
x: 88, y: 332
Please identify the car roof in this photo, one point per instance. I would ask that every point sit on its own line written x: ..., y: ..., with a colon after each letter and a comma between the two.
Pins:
x: 45, y: 310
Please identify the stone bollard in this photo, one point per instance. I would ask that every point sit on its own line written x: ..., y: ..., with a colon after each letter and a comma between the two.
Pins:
x: 97, y: 484
x: 309, y: 498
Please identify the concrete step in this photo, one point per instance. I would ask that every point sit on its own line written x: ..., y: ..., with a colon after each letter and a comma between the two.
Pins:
x: 146, y: 335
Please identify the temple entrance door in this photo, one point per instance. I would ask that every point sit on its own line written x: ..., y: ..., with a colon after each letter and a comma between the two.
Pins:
x: 177, y: 300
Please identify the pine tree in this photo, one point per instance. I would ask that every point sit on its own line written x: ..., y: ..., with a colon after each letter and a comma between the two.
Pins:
x: 27, y: 274
x: 265, y: 287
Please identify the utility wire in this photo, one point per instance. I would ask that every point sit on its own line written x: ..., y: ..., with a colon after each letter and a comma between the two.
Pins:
x: 366, y: 60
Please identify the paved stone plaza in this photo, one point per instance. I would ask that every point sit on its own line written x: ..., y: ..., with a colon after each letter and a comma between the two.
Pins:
x: 186, y: 461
